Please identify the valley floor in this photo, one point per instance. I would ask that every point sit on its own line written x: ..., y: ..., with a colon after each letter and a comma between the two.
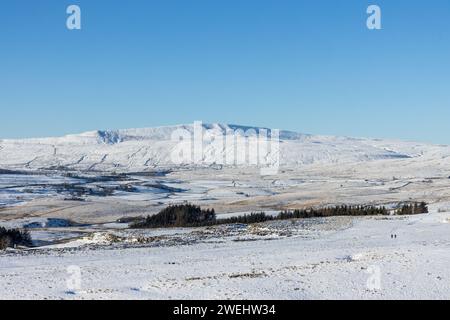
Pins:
x: 332, y: 258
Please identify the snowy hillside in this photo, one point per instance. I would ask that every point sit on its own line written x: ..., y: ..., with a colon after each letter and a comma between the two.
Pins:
x: 150, y: 148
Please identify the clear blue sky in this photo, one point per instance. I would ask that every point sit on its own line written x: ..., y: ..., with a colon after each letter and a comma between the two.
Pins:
x: 309, y: 66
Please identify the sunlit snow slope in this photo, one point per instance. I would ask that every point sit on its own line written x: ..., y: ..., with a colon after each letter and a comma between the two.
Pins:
x: 150, y: 148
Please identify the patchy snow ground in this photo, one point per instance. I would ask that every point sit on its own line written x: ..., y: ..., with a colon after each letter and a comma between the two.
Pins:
x: 333, y: 258
x: 102, y: 175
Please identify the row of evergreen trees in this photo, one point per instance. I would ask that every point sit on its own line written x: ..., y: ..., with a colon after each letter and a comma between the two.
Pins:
x: 13, y: 237
x: 246, y: 219
x: 187, y: 215
x: 416, y: 208
x: 334, y: 211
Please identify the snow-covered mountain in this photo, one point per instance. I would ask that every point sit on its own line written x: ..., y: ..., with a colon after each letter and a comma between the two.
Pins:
x: 150, y: 148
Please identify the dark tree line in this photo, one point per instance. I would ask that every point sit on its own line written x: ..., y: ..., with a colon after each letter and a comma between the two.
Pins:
x: 246, y: 219
x: 13, y: 237
x: 334, y: 211
x: 188, y: 215
x: 185, y: 215
x: 416, y: 208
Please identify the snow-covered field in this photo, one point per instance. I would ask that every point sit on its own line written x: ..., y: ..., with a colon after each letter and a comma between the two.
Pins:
x: 70, y: 192
x: 321, y: 259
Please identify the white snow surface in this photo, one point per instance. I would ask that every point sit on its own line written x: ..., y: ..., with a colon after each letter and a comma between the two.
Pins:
x: 333, y: 258
x: 74, y: 225
x: 149, y: 148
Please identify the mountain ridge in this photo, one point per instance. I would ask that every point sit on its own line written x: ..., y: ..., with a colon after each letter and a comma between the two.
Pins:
x: 153, y: 147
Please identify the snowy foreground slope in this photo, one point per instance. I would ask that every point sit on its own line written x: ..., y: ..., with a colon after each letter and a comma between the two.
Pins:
x: 150, y: 148
x: 334, y: 258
